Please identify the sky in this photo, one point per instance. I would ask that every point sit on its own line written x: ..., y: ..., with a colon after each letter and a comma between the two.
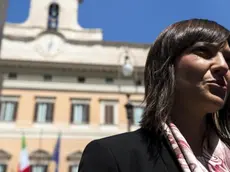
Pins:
x: 138, y: 21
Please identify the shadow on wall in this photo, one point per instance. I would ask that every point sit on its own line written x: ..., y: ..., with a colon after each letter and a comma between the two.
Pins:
x: 3, y: 9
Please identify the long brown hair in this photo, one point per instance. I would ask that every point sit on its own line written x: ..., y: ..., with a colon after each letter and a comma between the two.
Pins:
x: 159, y: 74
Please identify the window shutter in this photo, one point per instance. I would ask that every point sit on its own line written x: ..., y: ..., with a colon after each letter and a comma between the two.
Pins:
x: 45, y: 168
x: 4, y: 167
x: 70, y: 168
x: 1, y: 115
x: 36, y: 112
x: 50, y: 109
x: 86, y: 114
x: 15, y: 111
x: 106, y: 114
x: 71, y: 113
x: 109, y: 114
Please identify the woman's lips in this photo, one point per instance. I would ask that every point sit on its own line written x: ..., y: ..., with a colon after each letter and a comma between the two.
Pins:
x: 220, y: 82
x: 224, y: 87
x: 218, y: 88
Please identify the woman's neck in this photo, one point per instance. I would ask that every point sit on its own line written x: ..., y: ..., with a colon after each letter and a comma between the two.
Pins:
x: 192, y: 125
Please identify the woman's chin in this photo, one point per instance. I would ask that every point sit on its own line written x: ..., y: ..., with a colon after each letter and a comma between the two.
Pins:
x: 215, y: 103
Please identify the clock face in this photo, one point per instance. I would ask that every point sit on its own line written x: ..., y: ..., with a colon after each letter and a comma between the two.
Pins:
x: 49, y: 45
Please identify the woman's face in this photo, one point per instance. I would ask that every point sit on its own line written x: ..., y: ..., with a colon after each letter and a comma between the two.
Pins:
x: 203, y: 77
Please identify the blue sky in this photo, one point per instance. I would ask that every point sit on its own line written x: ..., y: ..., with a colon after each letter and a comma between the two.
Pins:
x: 137, y: 21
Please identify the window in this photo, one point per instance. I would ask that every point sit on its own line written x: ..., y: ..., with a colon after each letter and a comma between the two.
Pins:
x: 8, y: 108
x: 138, y: 82
x: 44, y: 111
x: 79, y: 112
x: 81, y: 79
x: 53, y: 16
x: 3, y: 167
x: 109, y: 112
x: 137, y: 114
x: 73, y: 168
x: 4, y: 159
x: 12, y: 75
x: 109, y: 80
x: 74, y: 159
x: 47, y: 77
x: 39, y: 160
x: 39, y: 168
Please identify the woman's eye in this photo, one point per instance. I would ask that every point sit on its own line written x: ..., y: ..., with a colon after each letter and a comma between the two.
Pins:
x: 204, y: 52
x: 227, y: 57
x: 227, y: 61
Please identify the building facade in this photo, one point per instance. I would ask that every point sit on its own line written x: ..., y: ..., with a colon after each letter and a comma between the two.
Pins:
x: 60, y: 78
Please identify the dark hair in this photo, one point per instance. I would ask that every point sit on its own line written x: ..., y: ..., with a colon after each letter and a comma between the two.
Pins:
x: 159, y: 74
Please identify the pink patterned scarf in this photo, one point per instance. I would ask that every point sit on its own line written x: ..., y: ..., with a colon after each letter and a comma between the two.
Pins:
x: 219, y: 161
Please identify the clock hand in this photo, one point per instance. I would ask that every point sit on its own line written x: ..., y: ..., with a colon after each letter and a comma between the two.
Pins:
x: 50, y: 45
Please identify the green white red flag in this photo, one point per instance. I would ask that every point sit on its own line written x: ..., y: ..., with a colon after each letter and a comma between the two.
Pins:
x: 24, y: 163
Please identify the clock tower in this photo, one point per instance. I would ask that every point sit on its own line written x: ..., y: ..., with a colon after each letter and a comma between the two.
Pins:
x: 50, y: 26
x: 65, y: 12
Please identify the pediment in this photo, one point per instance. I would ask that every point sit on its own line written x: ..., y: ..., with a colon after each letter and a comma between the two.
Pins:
x: 75, y: 156
x: 4, y: 155
x: 40, y: 155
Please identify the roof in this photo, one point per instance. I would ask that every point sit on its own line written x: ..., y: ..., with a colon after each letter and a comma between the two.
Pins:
x: 77, y: 42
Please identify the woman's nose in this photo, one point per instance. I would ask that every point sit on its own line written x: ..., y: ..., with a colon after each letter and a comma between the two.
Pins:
x: 220, y: 67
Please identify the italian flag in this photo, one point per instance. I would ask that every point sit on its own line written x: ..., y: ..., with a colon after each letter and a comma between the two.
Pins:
x: 24, y: 164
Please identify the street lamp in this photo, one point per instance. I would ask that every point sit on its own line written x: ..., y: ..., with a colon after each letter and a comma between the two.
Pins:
x: 129, y: 112
x: 127, y: 70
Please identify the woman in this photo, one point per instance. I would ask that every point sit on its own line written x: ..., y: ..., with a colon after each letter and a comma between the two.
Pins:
x: 185, y: 124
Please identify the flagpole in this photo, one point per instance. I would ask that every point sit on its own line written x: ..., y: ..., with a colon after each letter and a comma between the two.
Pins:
x: 56, y: 152
x: 24, y: 163
x: 23, y: 133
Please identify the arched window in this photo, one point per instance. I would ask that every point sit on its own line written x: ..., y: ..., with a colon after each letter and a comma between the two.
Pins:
x: 53, y: 16
x: 4, y: 158
x: 40, y: 160
x: 74, y: 159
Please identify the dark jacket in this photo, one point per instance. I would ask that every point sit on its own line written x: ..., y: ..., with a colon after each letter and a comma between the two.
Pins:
x: 136, y: 151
